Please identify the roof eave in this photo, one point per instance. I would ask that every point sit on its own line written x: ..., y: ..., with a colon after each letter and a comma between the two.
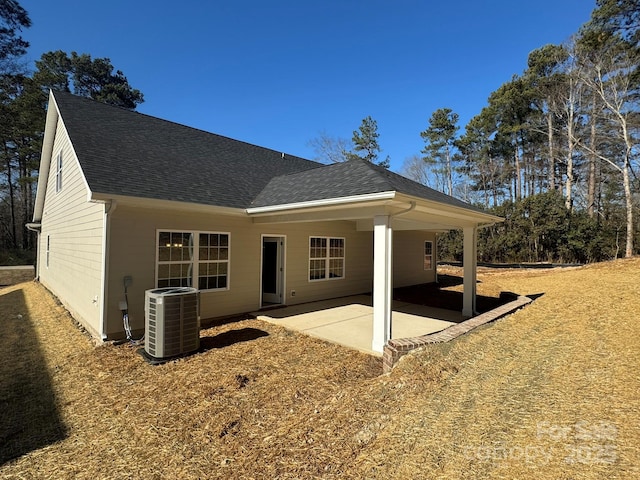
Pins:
x: 325, y: 203
x: 459, y: 216
x: 480, y: 218
x: 144, y: 202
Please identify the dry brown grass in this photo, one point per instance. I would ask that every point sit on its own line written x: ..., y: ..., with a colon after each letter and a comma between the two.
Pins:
x: 520, y: 398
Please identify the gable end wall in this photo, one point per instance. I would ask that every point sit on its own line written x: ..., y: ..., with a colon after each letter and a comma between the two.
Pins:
x: 75, y: 230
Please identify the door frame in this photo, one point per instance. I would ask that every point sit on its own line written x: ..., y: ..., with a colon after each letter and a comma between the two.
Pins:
x: 282, y: 260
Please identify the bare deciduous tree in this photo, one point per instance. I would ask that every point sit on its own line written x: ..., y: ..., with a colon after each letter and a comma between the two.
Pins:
x: 329, y: 149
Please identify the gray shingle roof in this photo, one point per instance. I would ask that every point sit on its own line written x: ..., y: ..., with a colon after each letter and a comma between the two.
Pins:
x: 355, y: 177
x: 329, y: 181
x: 131, y: 154
x: 128, y: 153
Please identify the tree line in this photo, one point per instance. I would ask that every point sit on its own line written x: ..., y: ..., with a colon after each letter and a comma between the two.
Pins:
x: 565, y: 130
x: 23, y: 102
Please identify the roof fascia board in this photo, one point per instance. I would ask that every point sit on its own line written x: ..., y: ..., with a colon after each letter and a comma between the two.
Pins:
x: 463, y: 216
x: 346, y: 213
x: 323, y: 203
x: 461, y: 213
x: 51, y: 125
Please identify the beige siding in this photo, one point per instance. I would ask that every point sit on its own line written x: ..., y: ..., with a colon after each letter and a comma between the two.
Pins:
x: 132, y: 245
x: 408, y: 258
x: 358, y: 261
x: 75, y: 230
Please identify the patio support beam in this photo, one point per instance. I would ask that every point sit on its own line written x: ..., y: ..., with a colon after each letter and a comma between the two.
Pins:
x: 470, y: 265
x: 382, y: 281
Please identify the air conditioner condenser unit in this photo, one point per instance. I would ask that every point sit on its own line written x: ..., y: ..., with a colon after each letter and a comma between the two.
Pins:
x: 172, y: 322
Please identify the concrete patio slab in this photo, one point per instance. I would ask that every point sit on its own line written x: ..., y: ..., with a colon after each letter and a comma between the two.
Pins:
x: 348, y: 321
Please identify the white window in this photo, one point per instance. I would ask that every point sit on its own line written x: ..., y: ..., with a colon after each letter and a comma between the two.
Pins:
x: 213, y: 261
x: 59, y: 171
x: 428, y: 255
x: 326, y: 258
x: 193, y: 259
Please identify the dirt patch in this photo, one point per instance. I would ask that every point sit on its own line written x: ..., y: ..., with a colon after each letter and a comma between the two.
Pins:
x: 550, y: 392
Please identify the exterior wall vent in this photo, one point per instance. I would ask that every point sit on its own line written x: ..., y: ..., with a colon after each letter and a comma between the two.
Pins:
x: 172, y: 322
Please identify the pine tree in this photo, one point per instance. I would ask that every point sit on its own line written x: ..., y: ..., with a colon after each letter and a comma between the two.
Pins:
x: 365, y: 143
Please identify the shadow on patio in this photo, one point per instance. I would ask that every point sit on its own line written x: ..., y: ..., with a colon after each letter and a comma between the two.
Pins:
x: 29, y: 416
x: 434, y: 295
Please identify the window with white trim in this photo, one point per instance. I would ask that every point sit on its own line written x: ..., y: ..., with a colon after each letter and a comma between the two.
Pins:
x: 48, y: 251
x: 59, y: 171
x: 428, y: 255
x: 326, y: 258
x: 193, y: 259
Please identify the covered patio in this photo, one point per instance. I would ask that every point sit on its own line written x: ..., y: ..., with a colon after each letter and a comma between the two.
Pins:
x: 383, y: 203
x: 372, y: 319
x: 348, y: 321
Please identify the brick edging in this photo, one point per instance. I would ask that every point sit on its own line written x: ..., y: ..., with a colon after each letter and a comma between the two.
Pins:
x: 398, y: 347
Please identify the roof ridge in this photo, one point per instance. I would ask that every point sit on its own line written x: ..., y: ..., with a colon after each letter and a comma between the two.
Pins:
x: 380, y: 171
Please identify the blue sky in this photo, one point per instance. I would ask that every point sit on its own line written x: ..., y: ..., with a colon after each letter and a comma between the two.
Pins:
x: 277, y: 73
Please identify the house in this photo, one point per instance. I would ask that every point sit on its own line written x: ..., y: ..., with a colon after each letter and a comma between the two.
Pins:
x: 127, y: 202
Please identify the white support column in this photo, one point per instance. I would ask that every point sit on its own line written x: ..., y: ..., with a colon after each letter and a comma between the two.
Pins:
x: 382, y: 281
x: 470, y: 262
